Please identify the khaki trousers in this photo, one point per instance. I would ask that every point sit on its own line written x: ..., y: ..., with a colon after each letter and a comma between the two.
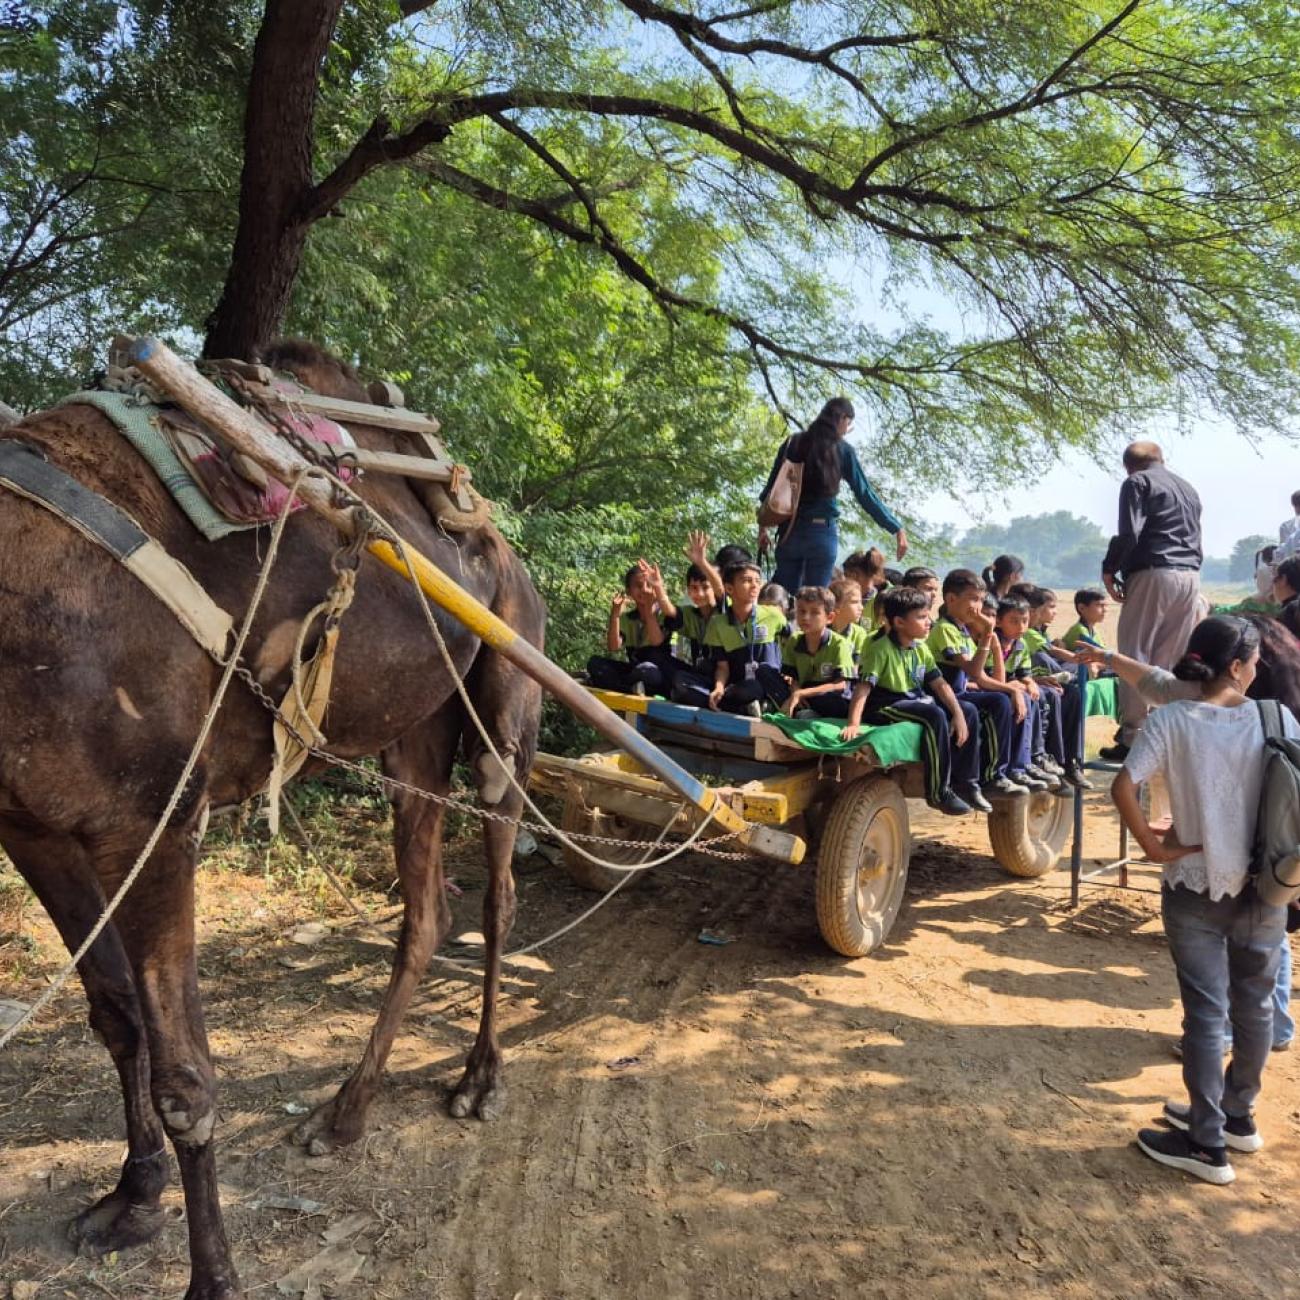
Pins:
x: 1160, y: 609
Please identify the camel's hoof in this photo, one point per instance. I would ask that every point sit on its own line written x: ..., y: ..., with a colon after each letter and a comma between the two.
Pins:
x: 328, y: 1127
x: 483, y: 1098
x: 215, y: 1288
x: 113, y: 1223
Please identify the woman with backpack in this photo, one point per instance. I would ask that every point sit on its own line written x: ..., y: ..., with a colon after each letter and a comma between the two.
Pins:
x: 808, y: 543
x: 1226, y: 943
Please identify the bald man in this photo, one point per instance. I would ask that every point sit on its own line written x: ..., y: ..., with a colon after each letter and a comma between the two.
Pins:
x: 1153, y: 569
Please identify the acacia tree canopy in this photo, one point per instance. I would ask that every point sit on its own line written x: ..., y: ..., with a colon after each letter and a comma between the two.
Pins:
x: 1100, y: 197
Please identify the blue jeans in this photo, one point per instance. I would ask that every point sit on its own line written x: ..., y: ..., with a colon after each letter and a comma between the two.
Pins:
x: 805, y: 555
x: 1226, y: 955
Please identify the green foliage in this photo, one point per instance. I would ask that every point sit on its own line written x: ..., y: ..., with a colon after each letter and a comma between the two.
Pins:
x: 1059, y: 548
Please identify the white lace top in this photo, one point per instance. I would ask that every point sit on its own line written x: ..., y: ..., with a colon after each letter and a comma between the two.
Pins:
x: 1212, y: 759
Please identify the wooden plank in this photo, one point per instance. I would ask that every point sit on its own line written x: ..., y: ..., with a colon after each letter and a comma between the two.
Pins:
x: 391, y: 462
x: 340, y: 408
x: 620, y: 701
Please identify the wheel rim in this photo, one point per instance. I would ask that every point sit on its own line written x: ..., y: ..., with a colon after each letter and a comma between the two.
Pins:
x: 1040, y: 816
x: 879, y: 881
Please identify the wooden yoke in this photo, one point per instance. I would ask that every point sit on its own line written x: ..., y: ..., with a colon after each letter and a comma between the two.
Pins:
x: 252, y: 437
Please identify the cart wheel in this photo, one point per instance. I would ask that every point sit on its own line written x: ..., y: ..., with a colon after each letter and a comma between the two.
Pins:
x: 578, y: 819
x: 862, y: 866
x: 1028, y: 834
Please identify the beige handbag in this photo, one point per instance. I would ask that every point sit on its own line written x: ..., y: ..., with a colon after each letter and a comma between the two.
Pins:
x: 782, y: 501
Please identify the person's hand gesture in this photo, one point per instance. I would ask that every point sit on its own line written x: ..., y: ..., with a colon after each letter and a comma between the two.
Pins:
x: 1168, y: 847
x: 619, y: 603
x: 1089, y: 654
x: 980, y: 625
x: 900, y: 538
x: 1032, y: 687
x: 715, y: 696
x: 1018, y: 705
x: 960, y: 731
x: 697, y: 547
x: 654, y: 578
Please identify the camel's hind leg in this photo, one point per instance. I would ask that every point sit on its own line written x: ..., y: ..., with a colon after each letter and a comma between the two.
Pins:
x: 509, y: 705
x: 56, y: 868
x: 424, y: 758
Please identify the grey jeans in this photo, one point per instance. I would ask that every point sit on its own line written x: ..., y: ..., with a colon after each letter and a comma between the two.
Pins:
x: 1226, y: 954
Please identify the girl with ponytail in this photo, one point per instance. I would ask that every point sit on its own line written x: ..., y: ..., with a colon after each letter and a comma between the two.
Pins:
x: 808, y: 544
x: 1003, y: 574
x: 1226, y: 943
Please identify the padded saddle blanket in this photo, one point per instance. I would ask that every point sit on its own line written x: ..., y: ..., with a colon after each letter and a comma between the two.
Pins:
x: 197, y: 468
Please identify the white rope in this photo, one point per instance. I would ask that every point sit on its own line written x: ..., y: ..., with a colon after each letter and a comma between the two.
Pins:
x: 400, y: 547
x: 156, y: 834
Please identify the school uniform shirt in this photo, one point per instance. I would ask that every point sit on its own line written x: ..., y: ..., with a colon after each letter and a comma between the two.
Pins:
x: 949, y: 641
x: 746, y: 643
x: 1080, y: 632
x: 636, y: 639
x: 859, y: 638
x: 690, y: 625
x: 1015, y: 658
x: 1036, y: 642
x: 896, y: 672
x: 832, y: 661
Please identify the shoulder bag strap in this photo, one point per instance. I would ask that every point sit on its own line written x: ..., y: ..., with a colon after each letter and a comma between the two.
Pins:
x: 1270, y: 718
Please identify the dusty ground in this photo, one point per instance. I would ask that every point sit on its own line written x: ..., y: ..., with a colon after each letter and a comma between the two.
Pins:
x: 952, y: 1116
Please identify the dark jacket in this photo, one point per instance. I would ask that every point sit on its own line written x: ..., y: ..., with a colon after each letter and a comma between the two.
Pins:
x: 1159, y: 524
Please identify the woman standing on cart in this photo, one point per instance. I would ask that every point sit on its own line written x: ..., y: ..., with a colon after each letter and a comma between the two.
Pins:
x: 807, y: 545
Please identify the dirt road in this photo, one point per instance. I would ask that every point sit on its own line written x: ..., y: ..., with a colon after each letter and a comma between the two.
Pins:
x: 952, y: 1116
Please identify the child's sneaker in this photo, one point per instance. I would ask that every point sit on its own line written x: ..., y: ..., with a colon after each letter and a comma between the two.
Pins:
x: 1001, y: 786
x: 1178, y: 1151
x: 1027, y: 782
x: 754, y: 709
x: 1239, y: 1131
x: 1074, y: 775
x: 1061, y: 679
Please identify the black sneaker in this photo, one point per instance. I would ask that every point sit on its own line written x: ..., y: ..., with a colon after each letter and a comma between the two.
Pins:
x: 1115, y: 753
x: 975, y: 797
x: 1239, y: 1131
x: 1178, y: 1151
x: 1074, y: 776
x: 1001, y: 786
x: 1030, y: 783
x: 949, y: 802
x: 1049, y: 779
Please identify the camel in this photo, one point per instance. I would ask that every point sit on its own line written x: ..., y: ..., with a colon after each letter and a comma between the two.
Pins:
x: 102, y: 693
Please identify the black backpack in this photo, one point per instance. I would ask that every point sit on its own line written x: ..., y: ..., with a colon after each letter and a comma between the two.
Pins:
x: 1275, y: 862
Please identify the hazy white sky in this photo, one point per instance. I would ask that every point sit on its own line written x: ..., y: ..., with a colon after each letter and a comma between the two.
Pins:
x: 1244, y: 488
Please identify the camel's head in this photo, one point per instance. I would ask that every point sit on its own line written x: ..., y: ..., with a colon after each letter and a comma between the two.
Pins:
x: 318, y: 369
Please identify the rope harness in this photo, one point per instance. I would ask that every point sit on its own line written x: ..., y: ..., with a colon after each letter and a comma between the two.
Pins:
x: 292, y: 746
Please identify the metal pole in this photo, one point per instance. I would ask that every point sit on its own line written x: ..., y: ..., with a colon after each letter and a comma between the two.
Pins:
x: 248, y: 434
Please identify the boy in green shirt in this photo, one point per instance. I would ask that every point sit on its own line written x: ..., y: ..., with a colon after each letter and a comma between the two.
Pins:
x: 704, y: 590
x: 817, y: 662
x: 744, y: 644
x: 899, y: 682
x: 1090, y: 605
x: 923, y: 579
x: 639, y: 619
x: 847, y: 620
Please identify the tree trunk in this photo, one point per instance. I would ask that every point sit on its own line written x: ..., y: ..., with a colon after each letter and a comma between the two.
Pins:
x: 277, y: 176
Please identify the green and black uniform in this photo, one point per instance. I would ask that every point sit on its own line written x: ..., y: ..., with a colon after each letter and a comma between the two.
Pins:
x: 901, y: 679
x: 751, y: 648
x: 651, y: 668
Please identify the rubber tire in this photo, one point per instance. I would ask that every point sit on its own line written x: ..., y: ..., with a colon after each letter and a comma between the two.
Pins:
x: 867, y: 842
x: 1028, y: 834
x: 578, y: 819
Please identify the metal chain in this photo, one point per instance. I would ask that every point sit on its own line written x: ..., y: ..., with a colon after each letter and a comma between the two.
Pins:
x: 245, y: 674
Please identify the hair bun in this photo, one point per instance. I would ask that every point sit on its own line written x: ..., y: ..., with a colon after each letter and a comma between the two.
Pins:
x: 1192, y: 668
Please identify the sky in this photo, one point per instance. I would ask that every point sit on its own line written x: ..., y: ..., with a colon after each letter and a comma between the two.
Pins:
x: 1245, y: 488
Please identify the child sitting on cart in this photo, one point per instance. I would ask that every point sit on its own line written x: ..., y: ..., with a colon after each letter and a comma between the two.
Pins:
x: 744, y: 641
x: 818, y: 662
x: 706, y: 597
x: 899, y: 682
x: 847, y: 619
x: 639, y: 619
